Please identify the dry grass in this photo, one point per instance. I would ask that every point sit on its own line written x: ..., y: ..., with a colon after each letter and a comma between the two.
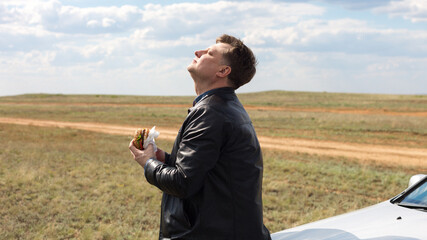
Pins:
x: 71, y: 184
x: 61, y: 184
x: 298, y: 122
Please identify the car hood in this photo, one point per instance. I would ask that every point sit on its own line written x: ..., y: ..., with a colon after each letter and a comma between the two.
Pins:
x: 383, y: 221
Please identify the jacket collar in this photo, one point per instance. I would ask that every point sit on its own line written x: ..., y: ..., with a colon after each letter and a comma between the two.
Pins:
x: 211, y: 92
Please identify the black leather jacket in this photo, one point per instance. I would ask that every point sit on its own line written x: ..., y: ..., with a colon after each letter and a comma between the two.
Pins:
x: 213, y: 177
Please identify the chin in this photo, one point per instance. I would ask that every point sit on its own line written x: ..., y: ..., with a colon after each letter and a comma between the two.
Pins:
x: 191, y: 69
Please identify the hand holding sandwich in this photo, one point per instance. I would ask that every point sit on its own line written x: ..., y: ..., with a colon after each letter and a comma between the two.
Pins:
x: 141, y: 156
x: 143, y: 146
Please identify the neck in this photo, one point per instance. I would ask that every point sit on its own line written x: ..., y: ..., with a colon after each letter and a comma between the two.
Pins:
x: 201, y: 88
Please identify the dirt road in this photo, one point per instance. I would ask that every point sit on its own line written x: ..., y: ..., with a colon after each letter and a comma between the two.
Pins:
x: 248, y: 107
x: 389, y: 155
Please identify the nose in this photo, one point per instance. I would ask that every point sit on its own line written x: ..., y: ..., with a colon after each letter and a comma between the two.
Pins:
x: 199, y: 53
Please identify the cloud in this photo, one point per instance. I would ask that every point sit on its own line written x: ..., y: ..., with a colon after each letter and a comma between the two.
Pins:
x: 342, y: 35
x: 162, y: 29
x: 153, y: 28
x: 53, y: 16
x: 360, y: 4
x: 353, y: 5
x: 361, y: 73
x: 413, y: 10
x: 109, y: 49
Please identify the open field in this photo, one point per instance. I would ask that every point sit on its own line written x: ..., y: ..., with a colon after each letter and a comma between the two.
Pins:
x: 380, y: 119
x: 75, y: 181
x: 387, y: 155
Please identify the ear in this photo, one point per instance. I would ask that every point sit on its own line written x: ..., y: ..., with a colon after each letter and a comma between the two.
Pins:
x: 224, y: 71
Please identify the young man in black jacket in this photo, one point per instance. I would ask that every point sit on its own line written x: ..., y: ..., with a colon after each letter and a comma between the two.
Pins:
x: 212, y: 179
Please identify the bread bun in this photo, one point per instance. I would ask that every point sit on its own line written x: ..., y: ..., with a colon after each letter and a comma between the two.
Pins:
x: 140, y: 136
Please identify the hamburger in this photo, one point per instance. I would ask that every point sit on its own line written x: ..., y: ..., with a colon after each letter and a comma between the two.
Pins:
x: 140, y: 136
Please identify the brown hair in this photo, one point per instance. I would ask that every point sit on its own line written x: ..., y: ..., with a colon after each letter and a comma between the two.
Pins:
x: 241, y: 60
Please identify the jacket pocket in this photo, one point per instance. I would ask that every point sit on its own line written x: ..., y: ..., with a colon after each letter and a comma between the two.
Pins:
x: 175, y: 220
x: 191, y: 212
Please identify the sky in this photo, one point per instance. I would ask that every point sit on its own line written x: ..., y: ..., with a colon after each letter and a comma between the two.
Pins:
x: 136, y: 47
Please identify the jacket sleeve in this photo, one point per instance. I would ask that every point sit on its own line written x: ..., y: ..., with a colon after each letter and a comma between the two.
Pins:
x: 198, y: 153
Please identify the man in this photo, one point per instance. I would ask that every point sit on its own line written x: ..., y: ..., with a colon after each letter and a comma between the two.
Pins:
x: 212, y: 179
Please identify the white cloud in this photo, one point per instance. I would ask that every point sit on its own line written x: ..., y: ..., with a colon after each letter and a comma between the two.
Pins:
x: 343, y: 35
x: 46, y: 46
x: 54, y: 17
x: 413, y: 10
x: 361, y: 73
x: 153, y: 28
x: 360, y: 4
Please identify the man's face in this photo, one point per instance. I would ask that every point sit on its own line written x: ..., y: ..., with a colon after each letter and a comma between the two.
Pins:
x: 208, y: 62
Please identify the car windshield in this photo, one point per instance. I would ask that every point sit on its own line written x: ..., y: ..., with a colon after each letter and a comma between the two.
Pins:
x: 417, y: 197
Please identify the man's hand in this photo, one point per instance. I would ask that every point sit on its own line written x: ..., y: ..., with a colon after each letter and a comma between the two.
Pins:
x: 160, y: 155
x: 142, y: 156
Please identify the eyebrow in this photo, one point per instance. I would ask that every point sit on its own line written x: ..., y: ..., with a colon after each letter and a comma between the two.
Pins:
x: 211, y: 49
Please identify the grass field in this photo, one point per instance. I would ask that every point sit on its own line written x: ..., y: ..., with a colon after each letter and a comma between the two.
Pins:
x: 305, y: 115
x: 73, y: 184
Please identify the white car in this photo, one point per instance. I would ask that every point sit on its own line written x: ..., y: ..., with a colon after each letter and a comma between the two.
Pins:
x: 403, y: 217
